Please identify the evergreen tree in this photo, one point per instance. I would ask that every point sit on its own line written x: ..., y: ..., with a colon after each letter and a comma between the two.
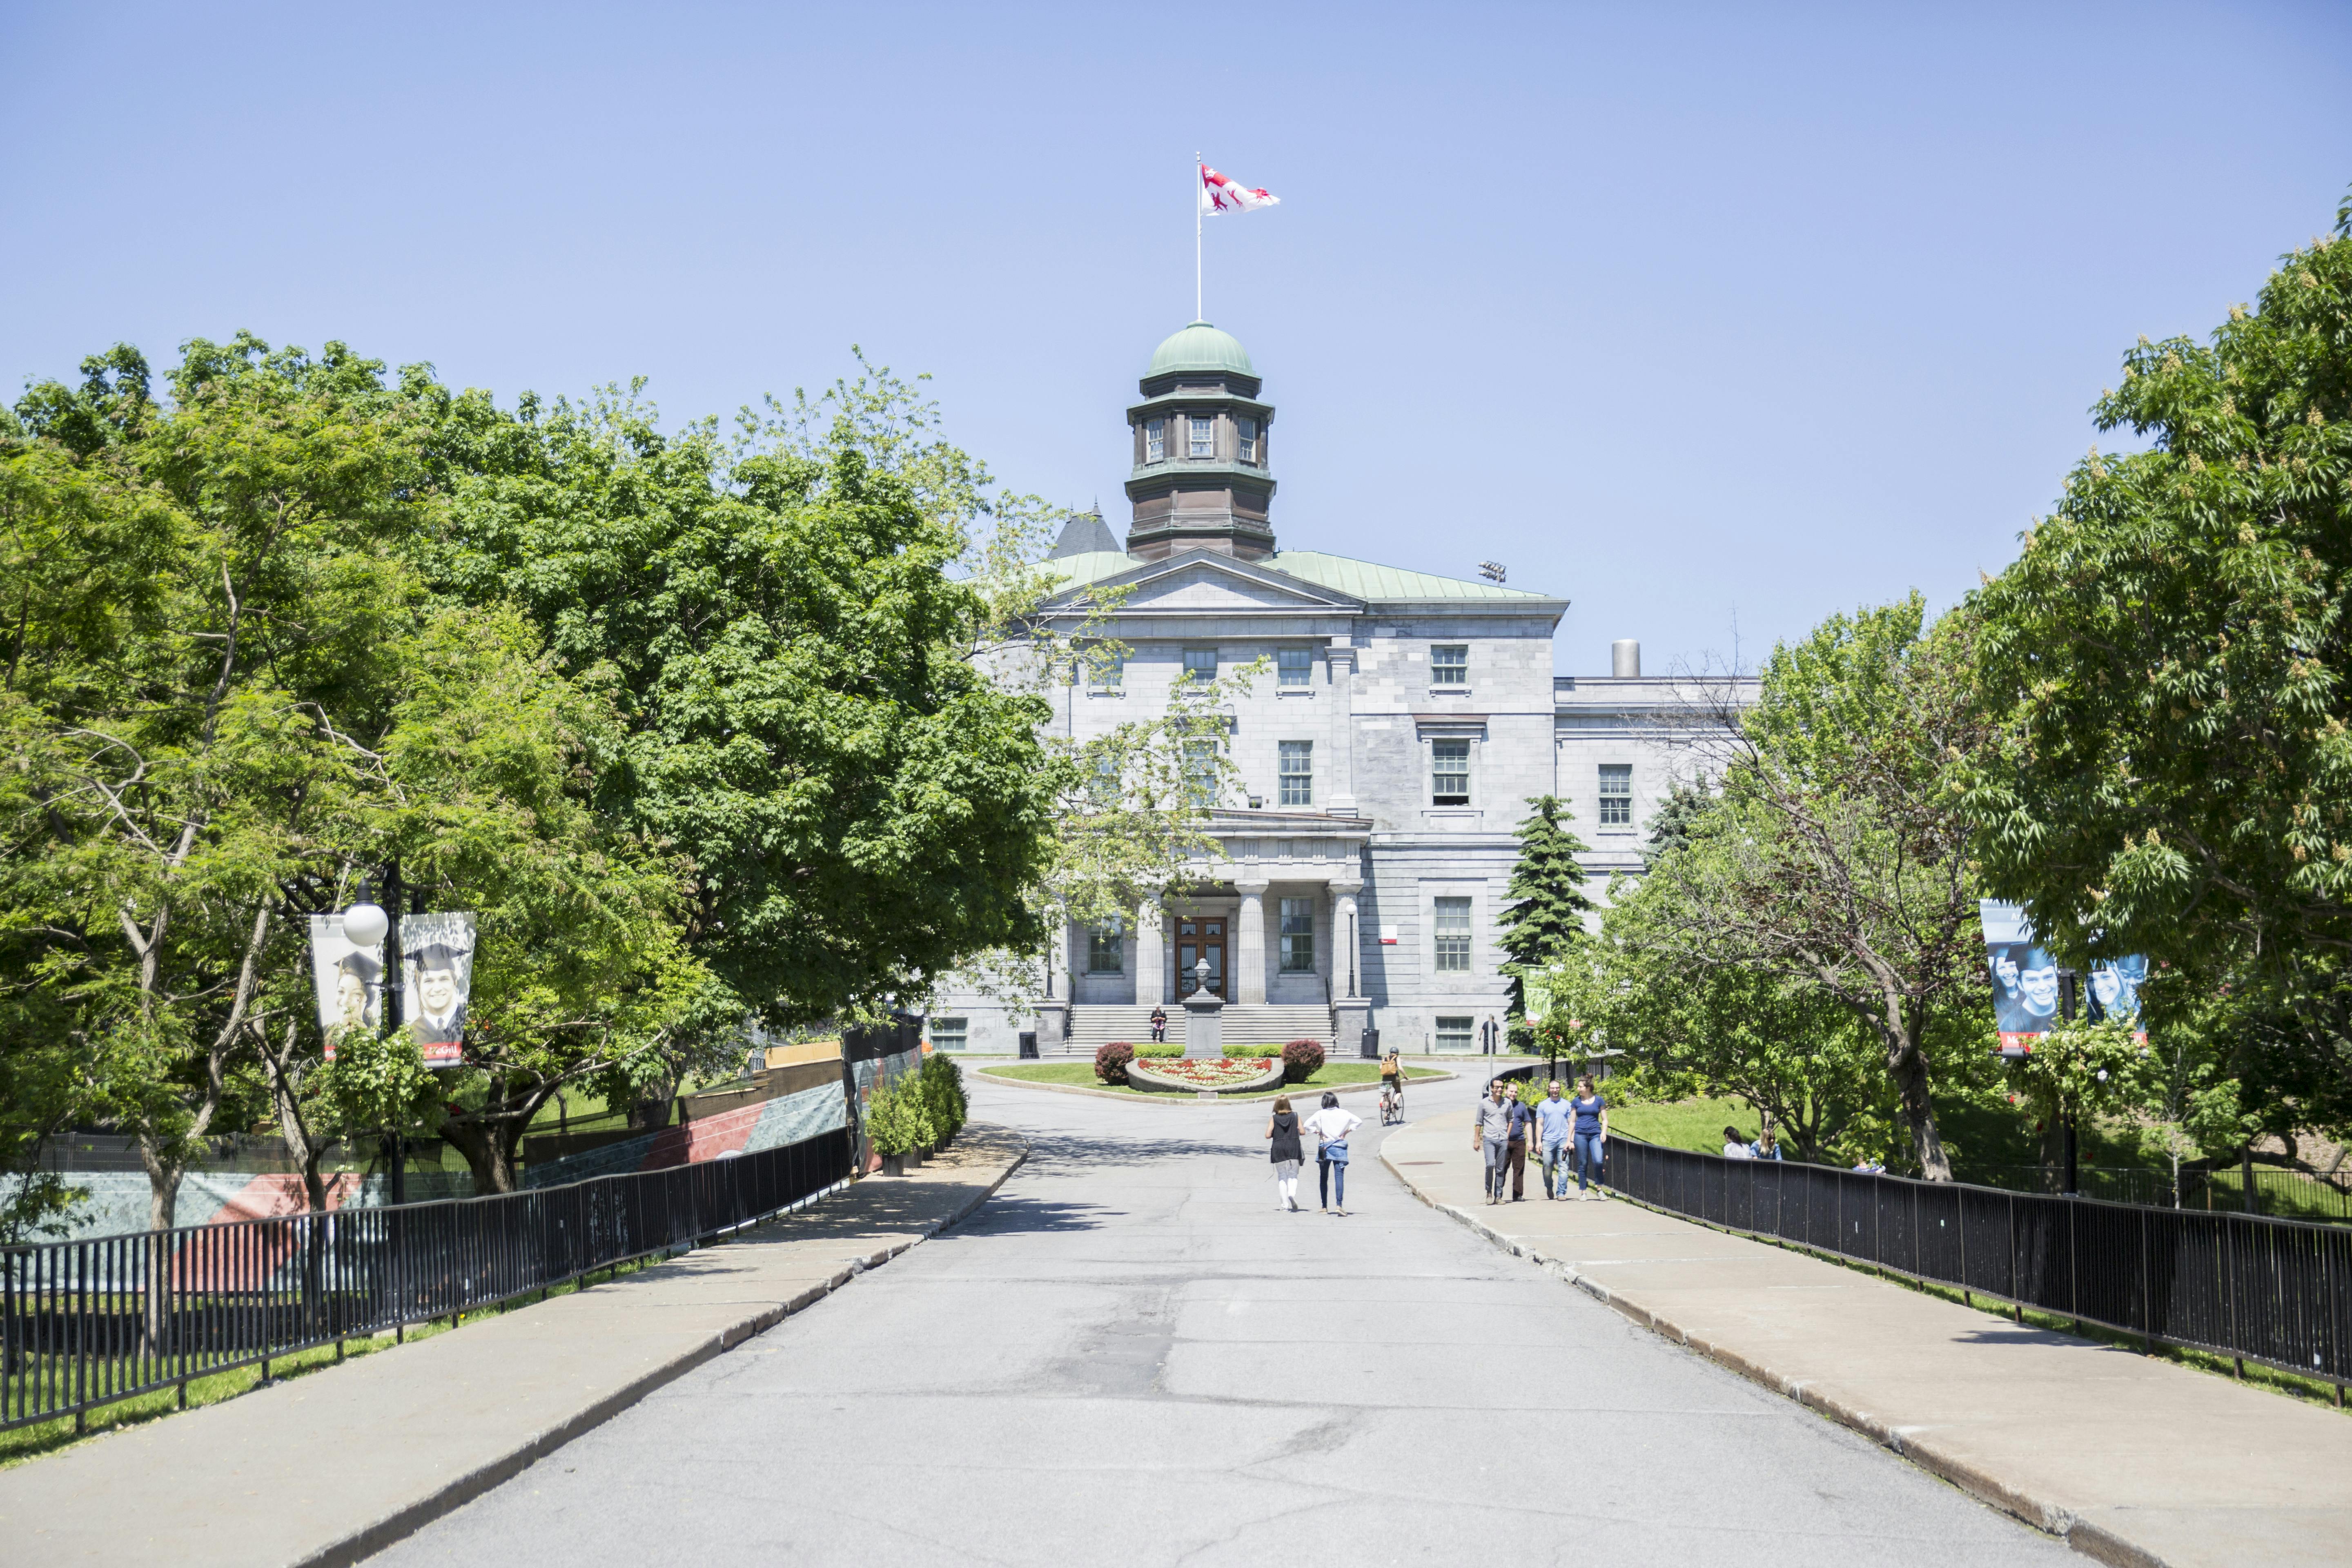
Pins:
x: 1670, y: 824
x: 1546, y: 914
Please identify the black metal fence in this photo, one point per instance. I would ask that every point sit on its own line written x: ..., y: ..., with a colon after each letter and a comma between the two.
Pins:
x: 2270, y: 1290
x: 83, y: 1323
x: 2281, y: 1193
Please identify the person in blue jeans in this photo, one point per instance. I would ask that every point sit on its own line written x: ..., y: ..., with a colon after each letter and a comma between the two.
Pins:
x: 1555, y: 1124
x: 1591, y: 1113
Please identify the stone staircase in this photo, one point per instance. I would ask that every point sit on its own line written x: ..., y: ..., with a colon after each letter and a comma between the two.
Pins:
x: 1094, y: 1025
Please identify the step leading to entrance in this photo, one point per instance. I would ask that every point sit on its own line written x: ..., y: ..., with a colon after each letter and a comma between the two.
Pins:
x: 1261, y: 1025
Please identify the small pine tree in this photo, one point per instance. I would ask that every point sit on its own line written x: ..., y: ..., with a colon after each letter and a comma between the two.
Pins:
x: 1546, y: 915
x: 1670, y: 824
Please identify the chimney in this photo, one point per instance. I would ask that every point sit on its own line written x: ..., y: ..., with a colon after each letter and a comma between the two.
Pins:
x: 1624, y: 658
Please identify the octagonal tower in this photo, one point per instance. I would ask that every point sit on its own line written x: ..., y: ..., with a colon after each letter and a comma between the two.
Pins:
x: 1201, y: 479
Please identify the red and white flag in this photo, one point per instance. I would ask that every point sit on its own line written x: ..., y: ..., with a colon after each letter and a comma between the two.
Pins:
x: 1219, y: 195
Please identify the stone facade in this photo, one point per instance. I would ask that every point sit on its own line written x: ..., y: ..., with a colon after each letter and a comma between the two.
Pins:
x: 1417, y: 714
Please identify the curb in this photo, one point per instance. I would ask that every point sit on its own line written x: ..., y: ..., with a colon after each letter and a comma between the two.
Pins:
x: 2092, y: 1540
x: 454, y: 1494
x: 1151, y: 1098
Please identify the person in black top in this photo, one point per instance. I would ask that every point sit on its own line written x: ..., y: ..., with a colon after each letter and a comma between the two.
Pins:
x: 1159, y: 1023
x: 1282, y: 1128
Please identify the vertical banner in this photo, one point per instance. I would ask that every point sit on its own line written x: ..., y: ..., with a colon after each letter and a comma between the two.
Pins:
x: 2025, y: 981
x: 1536, y: 996
x: 348, y: 980
x: 437, y: 968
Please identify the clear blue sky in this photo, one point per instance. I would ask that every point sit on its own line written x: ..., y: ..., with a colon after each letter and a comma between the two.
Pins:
x: 1712, y: 321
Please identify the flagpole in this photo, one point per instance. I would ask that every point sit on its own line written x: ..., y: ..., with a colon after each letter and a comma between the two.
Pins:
x: 1197, y: 166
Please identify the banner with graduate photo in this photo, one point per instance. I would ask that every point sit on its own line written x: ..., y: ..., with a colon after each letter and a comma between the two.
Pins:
x: 348, y: 978
x: 2026, y: 981
x: 436, y: 980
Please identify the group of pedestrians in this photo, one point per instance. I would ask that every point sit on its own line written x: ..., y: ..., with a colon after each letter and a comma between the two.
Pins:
x: 1570, y: 1133
x: 1763, y: 1146
x: 1287, y: 1133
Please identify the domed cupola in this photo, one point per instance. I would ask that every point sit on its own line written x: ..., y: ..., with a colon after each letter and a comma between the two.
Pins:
x: 1201, y: 479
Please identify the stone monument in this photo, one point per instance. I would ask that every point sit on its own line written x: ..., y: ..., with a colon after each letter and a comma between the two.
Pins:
x: 1204, y: 1025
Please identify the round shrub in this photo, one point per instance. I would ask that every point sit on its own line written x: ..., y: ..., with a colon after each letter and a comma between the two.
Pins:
x: 1301, y: 1060
x: 1110, y: 1061
x: 942, y: 1080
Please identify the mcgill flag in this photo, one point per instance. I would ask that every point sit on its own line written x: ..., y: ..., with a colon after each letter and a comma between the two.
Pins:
x: 1219, y: 194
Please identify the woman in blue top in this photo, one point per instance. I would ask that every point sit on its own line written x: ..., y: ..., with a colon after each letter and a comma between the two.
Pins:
x: 1592, y: 1129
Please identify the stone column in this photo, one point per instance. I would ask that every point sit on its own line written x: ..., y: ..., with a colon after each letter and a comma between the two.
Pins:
x: 1249, y: 944
x: 1341, y: 800
x: 1150, y: 961
x: 1350, y: 1013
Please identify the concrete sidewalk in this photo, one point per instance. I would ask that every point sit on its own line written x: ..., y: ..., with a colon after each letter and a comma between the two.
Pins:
x: 331, y: 1466
x: 2132, y: 1461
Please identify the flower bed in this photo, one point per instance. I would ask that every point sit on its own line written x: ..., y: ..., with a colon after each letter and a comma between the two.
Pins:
x: 1190, y: 1075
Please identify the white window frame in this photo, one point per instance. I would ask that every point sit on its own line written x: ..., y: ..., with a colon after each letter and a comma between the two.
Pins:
x: 1190, y: 654
x: 1107, y: 940
x: 1296, y: 785
x: 1618, y: 801
x: 1199, y: 437
x: 1468, y: 1033
x: 1445, y: 944
x: 1303, y: 909
x: 1451, y: 672
x: 1155, y: 441
x: 1246, y: 440
x: 1301, y: 659
x: 950, y: 1033
x: 1444, y: 798
x: 1201, y: 779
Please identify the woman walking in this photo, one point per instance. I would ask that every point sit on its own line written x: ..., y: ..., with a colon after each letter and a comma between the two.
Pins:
x: 1331, y: 1126
x: 1282, y: 1128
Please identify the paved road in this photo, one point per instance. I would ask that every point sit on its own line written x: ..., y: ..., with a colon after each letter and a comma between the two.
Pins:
x: 1129, y: 1356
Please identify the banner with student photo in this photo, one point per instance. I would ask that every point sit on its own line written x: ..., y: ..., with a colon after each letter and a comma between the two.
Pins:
x: 2025, y: 981
x: 437, y: 981
x: 348, y: 978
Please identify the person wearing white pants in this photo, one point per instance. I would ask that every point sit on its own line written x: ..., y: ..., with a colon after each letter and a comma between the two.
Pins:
x: 1281, y: 1131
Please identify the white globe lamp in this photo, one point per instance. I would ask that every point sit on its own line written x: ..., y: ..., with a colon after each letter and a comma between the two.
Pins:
x: 364, y: 926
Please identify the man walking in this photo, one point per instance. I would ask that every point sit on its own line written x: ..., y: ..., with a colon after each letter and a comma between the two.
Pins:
x: 1555, y: 1125
x: 1490, y: 1036
x: 1523, y: 1122
x: 1490, y: 1134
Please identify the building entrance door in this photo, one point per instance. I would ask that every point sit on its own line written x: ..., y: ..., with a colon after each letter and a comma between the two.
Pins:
x: 1198, y: 939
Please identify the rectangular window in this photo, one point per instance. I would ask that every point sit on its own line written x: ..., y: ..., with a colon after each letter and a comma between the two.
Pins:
x: 1205, y: 435
x: 1449, y: 664
x: 1452, y: 943
x: 1298, y: 936
x: 949, y: 1034
x: 1201, y: 772
x: 1248, y: 440
x: 1295, y: 665
x: 1103, y: 955
x: 1200, y: 663
x: 1106, y: 668
x: 1449, y: 773
x: 1616, y: 794
x: 1102, y: 789
x: 1155, y: 441
x: 1297, y: 773
x: 1454, y: 1033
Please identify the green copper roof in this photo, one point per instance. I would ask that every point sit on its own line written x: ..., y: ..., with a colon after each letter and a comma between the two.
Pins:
x: 1366, y: 581
x: 1090, y: 567
x: 1200, y: 347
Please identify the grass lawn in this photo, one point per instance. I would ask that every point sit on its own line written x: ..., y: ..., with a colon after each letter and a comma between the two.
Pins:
x: 1082, y: 1074
x: 1683, y: 1124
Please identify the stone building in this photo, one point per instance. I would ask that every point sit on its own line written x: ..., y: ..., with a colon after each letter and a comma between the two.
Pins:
x: 1361, y: 873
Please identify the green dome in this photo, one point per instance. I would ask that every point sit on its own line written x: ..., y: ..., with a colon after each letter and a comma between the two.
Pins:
x: 1200, y: 347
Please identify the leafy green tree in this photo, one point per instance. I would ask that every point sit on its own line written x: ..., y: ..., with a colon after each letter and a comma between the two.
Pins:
x: 1837, y: 860
x: 2167, y: 660
x: 856, y: 806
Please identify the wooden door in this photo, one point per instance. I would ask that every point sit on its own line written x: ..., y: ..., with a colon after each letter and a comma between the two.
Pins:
x: 1199, y: 938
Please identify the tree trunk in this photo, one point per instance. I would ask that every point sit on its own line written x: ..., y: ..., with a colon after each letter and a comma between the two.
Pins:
x: 489, y: 1153
x: 1908, y: 1069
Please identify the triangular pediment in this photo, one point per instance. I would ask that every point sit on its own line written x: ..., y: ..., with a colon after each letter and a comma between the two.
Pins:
x: 1204, y: 582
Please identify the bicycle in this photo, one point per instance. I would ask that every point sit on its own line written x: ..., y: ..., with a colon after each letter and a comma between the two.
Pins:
x: 1392, y: 1103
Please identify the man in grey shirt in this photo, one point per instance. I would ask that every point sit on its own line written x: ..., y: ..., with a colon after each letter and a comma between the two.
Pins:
x: 1490, y: 1132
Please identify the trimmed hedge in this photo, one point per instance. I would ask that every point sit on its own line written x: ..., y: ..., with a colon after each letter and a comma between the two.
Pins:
x: 1301, y: 1060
